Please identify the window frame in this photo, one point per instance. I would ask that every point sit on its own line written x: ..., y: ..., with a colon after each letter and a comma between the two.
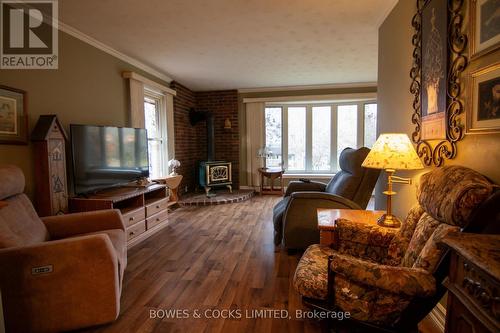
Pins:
x: 160, y: 100
x: 309, y: 132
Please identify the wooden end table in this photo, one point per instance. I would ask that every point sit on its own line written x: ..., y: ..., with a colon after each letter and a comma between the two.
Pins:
x: 272, y: 174
x: 327, y: 219
x: 172, y: 183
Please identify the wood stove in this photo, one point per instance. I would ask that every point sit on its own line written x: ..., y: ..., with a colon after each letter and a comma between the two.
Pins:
x: 216, y: 173
x: 211, y: 173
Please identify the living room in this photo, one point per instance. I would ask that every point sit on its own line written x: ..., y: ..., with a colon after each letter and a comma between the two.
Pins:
x: 262, y: 166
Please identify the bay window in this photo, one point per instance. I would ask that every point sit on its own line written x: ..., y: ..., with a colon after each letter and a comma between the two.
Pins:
x: 308, y: 138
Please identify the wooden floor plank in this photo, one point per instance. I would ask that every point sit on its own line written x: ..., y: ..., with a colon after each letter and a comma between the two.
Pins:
x: 208, y: 259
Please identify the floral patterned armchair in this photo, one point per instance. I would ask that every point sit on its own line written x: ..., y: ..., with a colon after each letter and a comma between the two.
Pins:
x: 391, y: 278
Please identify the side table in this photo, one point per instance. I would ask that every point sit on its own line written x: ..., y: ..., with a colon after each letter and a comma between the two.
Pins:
x: 272, y: 174
x: 327, y: 219
x: 172, y: 183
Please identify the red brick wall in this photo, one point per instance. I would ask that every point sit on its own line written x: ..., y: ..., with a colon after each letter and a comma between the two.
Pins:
x: 191, y: 141
x: 224, y: 105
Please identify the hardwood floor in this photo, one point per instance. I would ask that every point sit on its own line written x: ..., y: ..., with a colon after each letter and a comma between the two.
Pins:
x: 208, y: 259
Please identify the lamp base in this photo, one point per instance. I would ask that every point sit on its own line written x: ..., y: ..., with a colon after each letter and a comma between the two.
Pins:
x: 389, y: 221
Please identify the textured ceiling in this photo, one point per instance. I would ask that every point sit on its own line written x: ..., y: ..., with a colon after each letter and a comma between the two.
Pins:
x: 226, y: 44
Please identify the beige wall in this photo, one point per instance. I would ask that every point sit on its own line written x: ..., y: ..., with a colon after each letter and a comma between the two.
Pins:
x: 479, y: 152
x: 86, y: 89
x: 311, y: 92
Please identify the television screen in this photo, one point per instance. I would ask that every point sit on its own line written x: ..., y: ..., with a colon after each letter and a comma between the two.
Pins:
x: 107, y: 156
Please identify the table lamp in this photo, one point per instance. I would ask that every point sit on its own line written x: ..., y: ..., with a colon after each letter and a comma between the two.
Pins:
x: 391, y: 152
x: 264, y: 153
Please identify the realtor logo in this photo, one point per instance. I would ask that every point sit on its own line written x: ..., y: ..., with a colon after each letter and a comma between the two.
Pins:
x: 29, y: 34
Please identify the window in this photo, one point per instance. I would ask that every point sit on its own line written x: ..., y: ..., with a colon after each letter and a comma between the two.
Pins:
x: 155, y: 123
x: 273, y: 135
x: 370, y: 124
x: 309, y: 138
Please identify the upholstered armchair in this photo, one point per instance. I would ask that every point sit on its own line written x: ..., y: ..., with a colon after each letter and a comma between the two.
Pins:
x: 58, y: 273
x: 391, y: 278
x: 294, y: 217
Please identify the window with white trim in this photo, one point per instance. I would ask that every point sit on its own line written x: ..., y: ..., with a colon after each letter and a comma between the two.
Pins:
x: 308, y: 138
x: 156, y: 126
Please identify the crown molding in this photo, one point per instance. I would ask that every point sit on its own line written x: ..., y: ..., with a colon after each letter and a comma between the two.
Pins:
x: 309, y: 87
x: 109, y: 50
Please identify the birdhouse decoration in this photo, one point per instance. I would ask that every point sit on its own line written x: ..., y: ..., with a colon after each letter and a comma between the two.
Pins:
x: 51, y: 190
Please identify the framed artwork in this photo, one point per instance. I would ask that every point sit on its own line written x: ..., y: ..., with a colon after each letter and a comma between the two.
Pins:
x: 483, y: 114
x: 439, y: 59
x: 434, y: 69
x: 485, y: 26
x: 13, y: 116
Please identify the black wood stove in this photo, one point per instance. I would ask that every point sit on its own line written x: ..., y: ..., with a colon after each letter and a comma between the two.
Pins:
x: 211, y: 173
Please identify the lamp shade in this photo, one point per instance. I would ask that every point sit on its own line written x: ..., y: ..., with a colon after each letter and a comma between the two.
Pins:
x: 393, y: 151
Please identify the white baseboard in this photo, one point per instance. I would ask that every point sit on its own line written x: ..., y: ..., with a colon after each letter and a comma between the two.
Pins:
x: 438, y: 316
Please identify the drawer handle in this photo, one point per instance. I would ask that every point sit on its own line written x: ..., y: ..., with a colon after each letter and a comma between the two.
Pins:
x: 131, y: 233
x: 157, y: 206
x: 157, y: 219
x: 131, y: 219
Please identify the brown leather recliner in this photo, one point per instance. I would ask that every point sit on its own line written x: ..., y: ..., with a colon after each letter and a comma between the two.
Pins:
x: 57, y: 273
x: 295, y: 217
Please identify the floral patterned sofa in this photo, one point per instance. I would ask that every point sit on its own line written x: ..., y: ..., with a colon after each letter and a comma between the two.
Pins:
x: 378, y: 273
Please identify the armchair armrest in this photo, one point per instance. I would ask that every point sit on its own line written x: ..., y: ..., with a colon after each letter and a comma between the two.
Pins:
x: 298, y: 186
x: 77, y: 273
x: 364, y: 233
x: 62, y: 226
x: 341, y: 201
x: 394, y: 279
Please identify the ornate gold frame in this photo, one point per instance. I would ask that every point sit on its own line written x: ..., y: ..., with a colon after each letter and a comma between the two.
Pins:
x: 436, y: 153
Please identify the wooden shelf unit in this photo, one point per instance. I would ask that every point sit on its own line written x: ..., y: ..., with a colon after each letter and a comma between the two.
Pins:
x: 144, y: 209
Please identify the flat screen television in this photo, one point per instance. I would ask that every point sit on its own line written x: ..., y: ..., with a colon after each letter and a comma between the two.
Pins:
x: 105, y: 157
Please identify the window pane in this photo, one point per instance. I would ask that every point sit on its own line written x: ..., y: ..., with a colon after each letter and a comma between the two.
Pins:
x: 346, y: 127
x: 321, y: 138
x: 370, y: 124
x: 273, y: 135
x: 151, y: 118
x: 154, y: 158
x: 297, y: 138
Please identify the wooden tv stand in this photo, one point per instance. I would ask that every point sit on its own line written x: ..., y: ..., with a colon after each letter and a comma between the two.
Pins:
x: 144, y: 209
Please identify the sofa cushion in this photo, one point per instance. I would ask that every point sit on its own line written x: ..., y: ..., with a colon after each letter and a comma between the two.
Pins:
x: 423, y: 231
x: 12, y: 181
x: 432, y: 253
x: 20, y: 224
x: 399, y: 244
x: 450, y: 194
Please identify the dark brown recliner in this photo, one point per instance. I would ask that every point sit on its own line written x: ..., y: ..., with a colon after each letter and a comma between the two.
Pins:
x: 294, y: 217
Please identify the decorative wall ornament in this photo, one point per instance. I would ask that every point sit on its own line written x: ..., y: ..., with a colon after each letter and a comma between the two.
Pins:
x: 436, y: 76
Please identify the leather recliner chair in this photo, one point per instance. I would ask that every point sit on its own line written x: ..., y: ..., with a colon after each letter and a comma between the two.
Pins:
x: 295, y: 217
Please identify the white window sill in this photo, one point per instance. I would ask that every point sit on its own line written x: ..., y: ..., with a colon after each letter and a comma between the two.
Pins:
x: 308, y: 175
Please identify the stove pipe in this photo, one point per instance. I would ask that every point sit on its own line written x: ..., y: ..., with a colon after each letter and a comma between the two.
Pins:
x: 197, y: 116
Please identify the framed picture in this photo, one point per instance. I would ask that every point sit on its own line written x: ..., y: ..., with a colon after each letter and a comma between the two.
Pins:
x: 483, y: 115
x: 434, y: 69
x: 485, y: 26
x: 13, y: 116
x: 440, y: 56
